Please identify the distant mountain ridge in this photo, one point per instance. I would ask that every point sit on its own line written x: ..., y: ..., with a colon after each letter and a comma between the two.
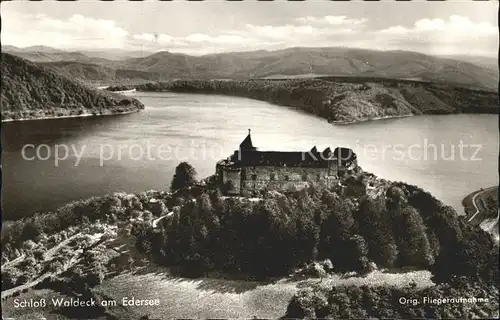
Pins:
x: 291, y: 62
x: 487, y: 62
x: 94, y: 73
x: 30, y: 91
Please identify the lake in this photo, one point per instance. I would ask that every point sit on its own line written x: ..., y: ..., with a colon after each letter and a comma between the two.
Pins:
x: 50, y: 162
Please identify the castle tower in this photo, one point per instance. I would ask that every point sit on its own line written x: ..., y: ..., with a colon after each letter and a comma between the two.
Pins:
x: 247, y: 144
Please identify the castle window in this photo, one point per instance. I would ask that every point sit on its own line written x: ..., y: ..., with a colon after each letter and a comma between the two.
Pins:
x: 254, y: 177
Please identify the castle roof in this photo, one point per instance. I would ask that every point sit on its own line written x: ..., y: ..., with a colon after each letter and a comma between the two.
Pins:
x: 279, y: 158
x: 247, y: 143
x: 345, y: 154
x: 249, y: 156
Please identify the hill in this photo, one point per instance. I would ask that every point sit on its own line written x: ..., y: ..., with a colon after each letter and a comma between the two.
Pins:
x: 31, y: 92
x: 347, y: 99
x: 48, y: 54
x: 292, y: 62
x: 40, y: 56
x: 151, y: 243
x: 106, y: 54
x: 89, y: 72
x: 487, y: 62
x: 322, y: 61
x: 116, y: 54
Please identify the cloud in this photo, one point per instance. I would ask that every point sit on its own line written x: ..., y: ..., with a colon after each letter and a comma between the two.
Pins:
x: 159, y: 39
x: 150, y: 37
x: 195, y: 43
x: 251, y: 36
x: 278, y: 32
x: 455, y: 26
x: 221, y: 39
x: 308, y: 28
x: 331, y: 20
x: 296, y: 34
x: 395, y: 30
x: 456, y: 35
x: 38, y: 29
x: 97, y: 27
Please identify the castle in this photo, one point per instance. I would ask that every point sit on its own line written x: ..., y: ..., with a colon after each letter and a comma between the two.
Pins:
x: 249, y: 171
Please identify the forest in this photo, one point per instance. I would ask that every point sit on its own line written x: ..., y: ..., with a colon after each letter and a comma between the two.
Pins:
x: 403, y: 226
x: 466, y: 300
x: 272, y: 237
x: 30, y: 91
x: 199, y: 231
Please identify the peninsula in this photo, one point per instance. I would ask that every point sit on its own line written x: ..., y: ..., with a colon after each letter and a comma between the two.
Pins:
x: 343, y: 100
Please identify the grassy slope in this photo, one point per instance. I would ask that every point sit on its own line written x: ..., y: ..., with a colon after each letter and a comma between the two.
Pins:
x: 223, y: 299
x: 30, y: 92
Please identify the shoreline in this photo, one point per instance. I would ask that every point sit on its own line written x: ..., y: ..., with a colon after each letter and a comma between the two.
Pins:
x: 85, y: 115
x: 274, y: 103
x: 370, y: 119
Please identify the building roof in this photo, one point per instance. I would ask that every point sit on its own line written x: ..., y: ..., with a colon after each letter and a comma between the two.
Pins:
x: 248, y: 155
x: 344, y: 154
x: 247, y: 143
x: 280, y: 158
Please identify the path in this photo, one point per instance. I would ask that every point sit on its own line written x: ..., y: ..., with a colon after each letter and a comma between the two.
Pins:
x: 12, y: 291
x: 475, y: 204
x: 48, y: 256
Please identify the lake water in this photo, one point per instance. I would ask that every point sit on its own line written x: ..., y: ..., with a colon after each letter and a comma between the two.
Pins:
x: 450, y: 156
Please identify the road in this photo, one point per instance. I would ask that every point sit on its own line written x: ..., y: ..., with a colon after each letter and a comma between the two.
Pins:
x: 474, y: 199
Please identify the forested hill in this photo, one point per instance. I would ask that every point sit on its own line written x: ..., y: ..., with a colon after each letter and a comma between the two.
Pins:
x: 348, y: 99
x: 30, y: 91
x: 98, y: 73
x: 294, y: 62
x: 114, y: 68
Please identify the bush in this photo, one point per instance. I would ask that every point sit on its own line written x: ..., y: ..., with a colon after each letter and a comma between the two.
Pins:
x: 22, y: 279
x: 315, y: 269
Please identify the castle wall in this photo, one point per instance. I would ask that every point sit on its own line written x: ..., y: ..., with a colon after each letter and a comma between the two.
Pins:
x: 231, y: 180
x: 285, y: 179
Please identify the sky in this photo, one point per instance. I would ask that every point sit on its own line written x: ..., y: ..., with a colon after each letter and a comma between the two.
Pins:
x: 452, y: 27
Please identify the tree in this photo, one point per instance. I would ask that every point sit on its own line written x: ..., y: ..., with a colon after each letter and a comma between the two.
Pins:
x: 375, y: 225
x: 184, y: 177
x: 411, y: 236
x: 9, y: 278
x: 473, y: 257
x: 96, y: 274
